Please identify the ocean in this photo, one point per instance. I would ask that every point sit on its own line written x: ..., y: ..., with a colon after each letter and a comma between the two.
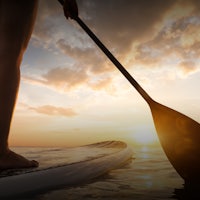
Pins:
x: 149, y: 176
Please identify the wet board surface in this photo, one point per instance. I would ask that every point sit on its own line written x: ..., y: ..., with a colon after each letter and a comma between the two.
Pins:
x: 65, y: 167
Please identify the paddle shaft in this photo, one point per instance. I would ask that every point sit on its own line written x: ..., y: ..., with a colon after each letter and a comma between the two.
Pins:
x: 133, y: 82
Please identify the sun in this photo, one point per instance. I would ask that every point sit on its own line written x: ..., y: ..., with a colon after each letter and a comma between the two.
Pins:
x: 144, y: 137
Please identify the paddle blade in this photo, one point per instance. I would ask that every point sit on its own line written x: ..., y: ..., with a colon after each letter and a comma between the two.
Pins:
x: 179, y: 136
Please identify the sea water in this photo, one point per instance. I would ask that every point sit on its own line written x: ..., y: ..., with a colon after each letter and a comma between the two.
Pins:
x: 149, y: 176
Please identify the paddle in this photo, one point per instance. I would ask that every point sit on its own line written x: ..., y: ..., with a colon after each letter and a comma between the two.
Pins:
x: 179, y: 135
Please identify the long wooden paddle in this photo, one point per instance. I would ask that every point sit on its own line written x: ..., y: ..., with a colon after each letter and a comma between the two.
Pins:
x: 179, y: 135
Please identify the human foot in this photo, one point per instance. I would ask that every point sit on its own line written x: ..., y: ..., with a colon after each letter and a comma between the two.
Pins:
x: 11, y: 160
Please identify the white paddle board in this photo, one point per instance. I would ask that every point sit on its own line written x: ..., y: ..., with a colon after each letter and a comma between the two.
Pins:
x: 73, y: 166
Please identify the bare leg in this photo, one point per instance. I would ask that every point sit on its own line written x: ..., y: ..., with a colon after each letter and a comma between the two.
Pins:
x: 16, y: 24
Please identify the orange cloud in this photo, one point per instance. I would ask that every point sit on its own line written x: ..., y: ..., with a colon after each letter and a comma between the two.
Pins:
x: 101, y: 84
x: 65, y: 77
x: 188, y: 67
x: 53, y: 110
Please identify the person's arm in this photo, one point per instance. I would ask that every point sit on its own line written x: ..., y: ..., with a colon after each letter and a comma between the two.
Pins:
x: 70, y: 9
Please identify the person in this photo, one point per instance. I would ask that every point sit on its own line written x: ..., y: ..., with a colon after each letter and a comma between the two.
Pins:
x: 16, y: 25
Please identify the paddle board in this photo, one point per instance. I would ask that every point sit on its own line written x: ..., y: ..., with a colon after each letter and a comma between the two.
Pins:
x: 71, y: 166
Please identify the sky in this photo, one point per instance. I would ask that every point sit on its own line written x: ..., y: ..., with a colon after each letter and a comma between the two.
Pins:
x: 71, y: 94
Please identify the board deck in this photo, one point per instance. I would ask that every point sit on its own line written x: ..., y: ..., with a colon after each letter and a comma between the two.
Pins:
x: 63, y: 167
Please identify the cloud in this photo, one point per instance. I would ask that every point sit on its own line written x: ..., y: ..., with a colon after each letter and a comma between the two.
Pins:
x: 119, y: 23
x: 191, y: 35
x: 116, y: 22
x: 65, y: 78
x: 102, y: 84
x: 176, y: 45
x: 153, y: 33
x: 86, y: 57
x: 53, y: 110
x: 48, y: 15
x: 33, y: 80
x: 188, y: 67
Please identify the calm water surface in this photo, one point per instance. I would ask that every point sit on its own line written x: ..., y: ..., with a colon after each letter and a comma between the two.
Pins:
x: 149, y: 177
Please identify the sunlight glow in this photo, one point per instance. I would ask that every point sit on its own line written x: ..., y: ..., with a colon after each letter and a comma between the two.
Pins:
x: 145, y: 137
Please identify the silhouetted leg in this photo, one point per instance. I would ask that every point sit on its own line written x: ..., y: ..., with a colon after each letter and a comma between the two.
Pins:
x: 16, y: 24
